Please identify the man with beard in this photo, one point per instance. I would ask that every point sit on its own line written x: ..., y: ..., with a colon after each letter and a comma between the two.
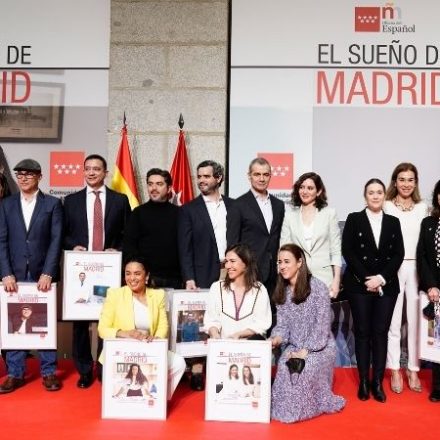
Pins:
x: 202, y: 229
x: 152, y: 232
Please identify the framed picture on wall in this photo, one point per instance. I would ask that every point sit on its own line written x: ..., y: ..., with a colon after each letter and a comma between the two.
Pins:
x: 188, y: 336
x: 135, y: 379
x: 87, y: 276
x: 238, y: 380
x: 429, y: 333
x: 36, y: 115
x: 28, y: 318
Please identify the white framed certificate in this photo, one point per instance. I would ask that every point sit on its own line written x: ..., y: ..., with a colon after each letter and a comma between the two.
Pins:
x: 28, y: 318
x: 188, y: 337
x: 429, y: 333
x: 87, y: 276
x: 135, y: 379
x: 238, y: 387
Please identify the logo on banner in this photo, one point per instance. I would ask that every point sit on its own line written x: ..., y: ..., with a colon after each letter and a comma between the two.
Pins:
x: 66, y: 168
x: 386, y: 19
x: 282, y: 169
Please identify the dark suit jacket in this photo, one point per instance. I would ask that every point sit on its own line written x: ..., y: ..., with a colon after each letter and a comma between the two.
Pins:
x: 429, y: 273
x: 198, y: 252
x: 246, y: 225
x: 38, y: 249
x: 364, y: 259
x: 117, y: 210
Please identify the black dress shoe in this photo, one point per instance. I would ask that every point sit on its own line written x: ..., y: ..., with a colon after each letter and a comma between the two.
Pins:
x: 85, y: 380
x: 378, y: 392
x: 197, y: 382
x: 11, y: 384
x: 364, y: 390
x: 434, y: 396
x: 51, y: 383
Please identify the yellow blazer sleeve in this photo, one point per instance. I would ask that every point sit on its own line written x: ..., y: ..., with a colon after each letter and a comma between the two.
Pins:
x: 107, y: 321
x: 158, y: 313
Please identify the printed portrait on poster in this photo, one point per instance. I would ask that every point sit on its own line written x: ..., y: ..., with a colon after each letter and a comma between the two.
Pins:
x: 135, y: 379
x: 429, y: 332
x: 28, y: 318
x: 238, y: 380
x: 87, y: 276
x: 188, y: 336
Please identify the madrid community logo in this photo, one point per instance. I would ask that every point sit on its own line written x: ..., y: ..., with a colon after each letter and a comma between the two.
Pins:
x: 385, y: 19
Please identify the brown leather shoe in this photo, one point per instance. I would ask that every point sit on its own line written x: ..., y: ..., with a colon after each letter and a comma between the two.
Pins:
x: 11, y: 384
x: 51, y: 383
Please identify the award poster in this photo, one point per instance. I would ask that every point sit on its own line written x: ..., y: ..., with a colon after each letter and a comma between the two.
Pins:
x: 238, y: 387
x: 87, y: 276
x: 135, y: 379
x: 28, y: 318
x: 188, y: 337
x: 429, y: 333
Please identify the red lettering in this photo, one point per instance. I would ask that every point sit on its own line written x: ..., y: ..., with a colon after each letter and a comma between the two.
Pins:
x: 338, y: 83
x: 388, y: 87
x: 358, y: 80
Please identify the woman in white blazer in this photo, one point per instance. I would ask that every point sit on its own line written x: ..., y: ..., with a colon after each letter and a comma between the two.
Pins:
x: 313, y: 226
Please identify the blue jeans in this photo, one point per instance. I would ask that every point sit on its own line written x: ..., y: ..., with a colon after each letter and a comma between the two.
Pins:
x: 16, y: 362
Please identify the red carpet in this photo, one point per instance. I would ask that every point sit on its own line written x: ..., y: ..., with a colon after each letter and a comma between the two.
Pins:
x: 33, y: 413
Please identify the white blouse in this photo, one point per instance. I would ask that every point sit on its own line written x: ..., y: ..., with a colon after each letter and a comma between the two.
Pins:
x: 254, y: 313
x: 410, y: 223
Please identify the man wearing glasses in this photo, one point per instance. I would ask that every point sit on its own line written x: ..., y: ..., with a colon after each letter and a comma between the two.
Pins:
x: 31, y: 225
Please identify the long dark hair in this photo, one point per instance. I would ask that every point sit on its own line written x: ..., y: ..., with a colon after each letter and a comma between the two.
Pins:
x: 250, y: 379
x: 435, y: 205
x: 247, y: 256
x: 392, y: 189
x: 4, y: 187
x: 302, y: 285
x: 140, y: 377
x: 321, y: 199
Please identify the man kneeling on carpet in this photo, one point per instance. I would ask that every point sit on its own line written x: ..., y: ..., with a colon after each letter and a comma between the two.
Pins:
x: 135, y: 312
x: 302, y: 387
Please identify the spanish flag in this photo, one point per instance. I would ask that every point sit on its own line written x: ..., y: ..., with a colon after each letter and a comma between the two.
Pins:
x: 124, y: 180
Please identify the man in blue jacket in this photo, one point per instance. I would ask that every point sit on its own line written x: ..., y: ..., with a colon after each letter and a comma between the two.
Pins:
x: 31, y: 226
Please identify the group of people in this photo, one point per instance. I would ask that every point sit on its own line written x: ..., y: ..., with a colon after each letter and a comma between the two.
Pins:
x: 270, y: 272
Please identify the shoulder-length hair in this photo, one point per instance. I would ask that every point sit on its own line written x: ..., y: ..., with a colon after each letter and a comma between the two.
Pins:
x: 140, y: 377
x: 302, y: 285
x: 392, y: 188
x: 435, y: 204
x: 247, y: 256
x: 321, y: 199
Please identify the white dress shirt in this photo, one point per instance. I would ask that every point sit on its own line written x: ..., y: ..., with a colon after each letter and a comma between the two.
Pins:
x: 217, y: 213
x: 265, y: 207
x: 27, y: 207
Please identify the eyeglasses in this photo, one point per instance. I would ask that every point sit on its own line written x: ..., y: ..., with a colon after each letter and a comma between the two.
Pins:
x: 25, y: 175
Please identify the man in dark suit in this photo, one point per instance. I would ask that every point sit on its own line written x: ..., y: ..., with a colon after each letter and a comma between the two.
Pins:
x: 95, y: 219
x: 31, y: 227
x: 256, y: 219
x: 202, y: 229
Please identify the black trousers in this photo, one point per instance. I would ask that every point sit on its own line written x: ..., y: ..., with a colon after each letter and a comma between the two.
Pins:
x: 372, y: 316
x: 81, y: 347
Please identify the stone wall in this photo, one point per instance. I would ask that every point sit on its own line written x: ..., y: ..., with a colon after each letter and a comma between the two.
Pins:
x: 167, y: 58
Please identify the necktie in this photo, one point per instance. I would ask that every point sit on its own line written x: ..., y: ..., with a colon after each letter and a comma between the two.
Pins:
x: 98, y: 224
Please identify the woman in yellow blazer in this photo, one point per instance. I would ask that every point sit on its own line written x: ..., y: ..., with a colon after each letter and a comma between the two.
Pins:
x: 136, y: 312
x: 313, y: 226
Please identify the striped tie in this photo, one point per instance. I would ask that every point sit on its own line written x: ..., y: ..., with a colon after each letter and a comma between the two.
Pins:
x: 98, y: 224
